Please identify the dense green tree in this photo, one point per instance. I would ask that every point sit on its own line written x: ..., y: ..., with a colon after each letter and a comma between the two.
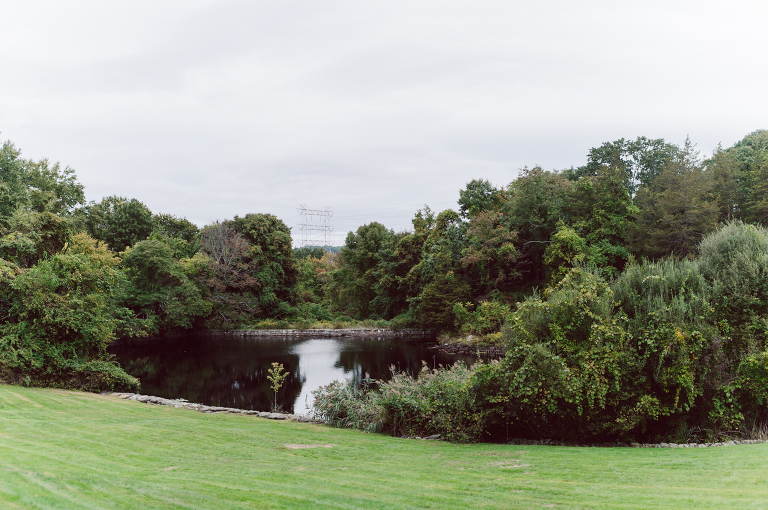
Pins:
x: 391, y: 284
x: 735, y: 260
x: 639, y: 161
x: 728, y: 186
x: 354, y: 282
x: 53, y: 189
x: 159, y: 290
x: 757, y: 204
x: 33, y: 236
x: 306, y: 252
x: 226, y: 270
x: 479, y: 195
x: 537, y: 201
x: 677, y: 209
x: 13, y: 189
x: 119, y: 222
x: 440, y: 295
x: 180, y: 234
x: 751, y: 156
x: 602, y: 212
x: 565, y: 250
x: 490, y: 256
x: 270, y: 254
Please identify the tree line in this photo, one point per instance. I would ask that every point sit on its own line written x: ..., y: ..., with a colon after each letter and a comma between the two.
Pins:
x: 627, y: 292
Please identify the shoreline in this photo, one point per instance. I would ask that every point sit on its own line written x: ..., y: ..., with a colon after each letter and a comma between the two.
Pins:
x: 201, y: 408
x: 381, y: 333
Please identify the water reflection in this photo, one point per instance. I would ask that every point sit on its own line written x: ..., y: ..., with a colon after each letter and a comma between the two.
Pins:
x: 232, y: 372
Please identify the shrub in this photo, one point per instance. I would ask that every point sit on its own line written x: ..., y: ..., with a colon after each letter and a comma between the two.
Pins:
x: 735, y: 260
x: 60, y: 316
x: 487, y: 318
x: 436, y: 402
x: 349, y: 404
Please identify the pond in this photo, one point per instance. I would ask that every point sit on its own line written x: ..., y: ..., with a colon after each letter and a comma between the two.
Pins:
x: 232, y: 372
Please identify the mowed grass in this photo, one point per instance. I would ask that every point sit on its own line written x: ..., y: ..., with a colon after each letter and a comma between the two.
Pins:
x: 61, y: 449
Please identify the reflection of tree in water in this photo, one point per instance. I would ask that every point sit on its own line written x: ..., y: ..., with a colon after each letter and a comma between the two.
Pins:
x: 375, y: 357
x: 226, y: 373
x: 232, y: 372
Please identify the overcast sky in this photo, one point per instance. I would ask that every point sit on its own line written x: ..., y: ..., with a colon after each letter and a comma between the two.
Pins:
x: 211, y: 109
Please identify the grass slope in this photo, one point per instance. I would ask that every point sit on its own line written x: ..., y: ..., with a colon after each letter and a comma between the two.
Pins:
x: 62, y: 449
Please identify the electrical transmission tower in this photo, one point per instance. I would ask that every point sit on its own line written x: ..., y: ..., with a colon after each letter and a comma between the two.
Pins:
x: 315, y: 226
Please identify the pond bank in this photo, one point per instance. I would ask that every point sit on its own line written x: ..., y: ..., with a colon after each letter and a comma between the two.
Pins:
x: 180, y: 403
x: 380, y: 333
x: 183, y: 404
x: 490, y: 351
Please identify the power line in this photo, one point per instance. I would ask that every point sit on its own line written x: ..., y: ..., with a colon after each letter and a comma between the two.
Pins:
x: 315, y: 226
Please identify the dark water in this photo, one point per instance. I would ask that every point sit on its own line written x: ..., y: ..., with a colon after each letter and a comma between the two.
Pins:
x: 232, y: 372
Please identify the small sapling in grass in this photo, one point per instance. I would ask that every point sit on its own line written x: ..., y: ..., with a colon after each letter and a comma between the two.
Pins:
x: 276, y: 375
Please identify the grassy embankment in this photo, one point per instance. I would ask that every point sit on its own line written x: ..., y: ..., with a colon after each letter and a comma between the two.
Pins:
x: 62, y: 449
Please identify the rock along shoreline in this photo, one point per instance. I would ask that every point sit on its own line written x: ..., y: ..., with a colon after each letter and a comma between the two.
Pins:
x: 202, y: 408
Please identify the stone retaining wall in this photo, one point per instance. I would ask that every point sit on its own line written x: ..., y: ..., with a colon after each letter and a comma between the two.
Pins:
x: 409, y: 334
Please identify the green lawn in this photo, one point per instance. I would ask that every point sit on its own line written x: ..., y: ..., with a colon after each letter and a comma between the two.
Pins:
x: 62, y: 449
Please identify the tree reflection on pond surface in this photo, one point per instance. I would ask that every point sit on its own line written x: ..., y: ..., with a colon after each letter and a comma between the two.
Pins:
x: 232, y: 372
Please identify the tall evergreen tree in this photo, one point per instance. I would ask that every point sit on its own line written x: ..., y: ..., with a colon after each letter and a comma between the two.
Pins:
x: 677, y: 209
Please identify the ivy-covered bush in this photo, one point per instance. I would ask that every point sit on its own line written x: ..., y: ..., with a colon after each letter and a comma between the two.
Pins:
x: 58, y: 318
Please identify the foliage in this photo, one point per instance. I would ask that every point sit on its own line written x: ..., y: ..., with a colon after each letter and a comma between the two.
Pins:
x: 639, y: 161
x: 59, y: 317
x: 488, y: 317
x: 355, y: 278
x: 181, y: 235
x: 490, y: 256
x: 437, y: 402
x: 479, y: 196
x: 119, y: 222
x: 276, y: 376
x: 601, y: 211
x: 436, y: 310
x: 677, y: 209
x: 728, y: 184
x: 308, y: 252
x: 270, y: 259
x: 159, y: 291
x: 223, y: 268
x: 565, y: 250
x: 351, y: 404
x: 13, y: 190
x: 735, y: 260
x: 33, y: 236
x: 537, y: 201
x: 53, y: 189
